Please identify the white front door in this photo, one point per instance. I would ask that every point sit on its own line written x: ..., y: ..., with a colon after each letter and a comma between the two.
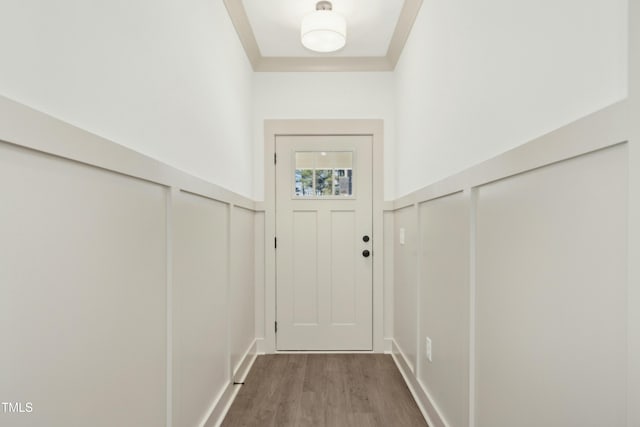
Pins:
x: 324, y: 241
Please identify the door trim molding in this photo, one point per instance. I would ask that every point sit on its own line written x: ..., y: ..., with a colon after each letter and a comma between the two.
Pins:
x: 306, y: 127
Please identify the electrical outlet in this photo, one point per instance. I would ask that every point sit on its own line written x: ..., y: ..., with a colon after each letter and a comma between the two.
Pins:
x: 428, y: 347
x: 401, y: 236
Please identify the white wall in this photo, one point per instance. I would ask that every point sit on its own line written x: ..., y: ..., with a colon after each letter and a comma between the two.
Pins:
x: 478, y: 78
x: 168, y: 79
x: 323, y: 96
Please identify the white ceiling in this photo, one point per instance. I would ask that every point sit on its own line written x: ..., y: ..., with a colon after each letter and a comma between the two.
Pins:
x: 270, y: 34
x: 276, y: 26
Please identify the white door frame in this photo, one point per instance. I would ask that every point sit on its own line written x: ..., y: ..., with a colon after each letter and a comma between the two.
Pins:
x: 273, y: 128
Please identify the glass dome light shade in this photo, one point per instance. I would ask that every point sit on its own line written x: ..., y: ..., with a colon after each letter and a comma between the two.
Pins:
x: 323, y: 31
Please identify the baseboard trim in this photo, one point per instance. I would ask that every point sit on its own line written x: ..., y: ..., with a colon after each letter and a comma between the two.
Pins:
x: 396, y: 349
x: 388, y: 345
x: 222, y: 404
x: 242, y: 369
x: 429, y: 411
x: 260, y: 346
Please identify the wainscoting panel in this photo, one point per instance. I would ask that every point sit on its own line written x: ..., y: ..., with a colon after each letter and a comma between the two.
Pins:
x: 200, y: 278
x: 82, y: 293
x: 242, y: 289
x: 444, y: 304
x: 405, y: 255
x: 389, y: 239
x: 117, y: 300
x: 260, y: 302
x: 552, y: 295
x: 525, y: 280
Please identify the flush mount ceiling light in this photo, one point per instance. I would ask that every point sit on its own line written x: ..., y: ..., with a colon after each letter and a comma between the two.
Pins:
x: 323, y: 30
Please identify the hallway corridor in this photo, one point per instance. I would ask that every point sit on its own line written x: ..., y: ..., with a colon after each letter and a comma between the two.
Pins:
x: 324, y: 390
x: 437, y: 224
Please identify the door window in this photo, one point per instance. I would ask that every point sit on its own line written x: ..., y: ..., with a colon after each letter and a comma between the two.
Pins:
x: 323, y: 174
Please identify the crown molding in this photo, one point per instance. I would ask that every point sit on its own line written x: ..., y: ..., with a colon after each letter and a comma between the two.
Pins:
x: 240, y: 21
x: 334, y: 63
x: 261, y: 63
x: 401, y: 33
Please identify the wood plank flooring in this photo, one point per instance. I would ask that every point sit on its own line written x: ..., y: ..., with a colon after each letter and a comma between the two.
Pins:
x: 324, y: 390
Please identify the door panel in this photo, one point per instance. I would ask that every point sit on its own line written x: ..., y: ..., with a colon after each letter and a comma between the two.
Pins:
x: 323, y: 209
x: 343, y: 277
x: 305, y: 267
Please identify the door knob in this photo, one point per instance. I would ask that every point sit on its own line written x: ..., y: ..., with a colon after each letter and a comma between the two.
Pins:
x: 366, y: 253
x: 365, y: 238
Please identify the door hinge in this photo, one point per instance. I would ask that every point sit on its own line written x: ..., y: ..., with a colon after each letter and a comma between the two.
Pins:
x: 276, y: 326
x: 275, y: 158
x: 275, y: 243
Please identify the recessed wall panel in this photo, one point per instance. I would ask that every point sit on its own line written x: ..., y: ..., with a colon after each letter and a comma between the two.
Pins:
x: 82, y: 294
x: 552, y: 295
x: 259, y: 253
x: 201, y: 368
x: 444, y: 304
x: 405, y: 254
x: 388, y: 269
x: 242, y: 290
